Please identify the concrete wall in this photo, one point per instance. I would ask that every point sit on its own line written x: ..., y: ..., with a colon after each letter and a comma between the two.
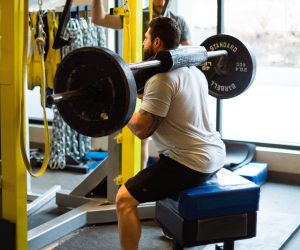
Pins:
x: 280, y: 160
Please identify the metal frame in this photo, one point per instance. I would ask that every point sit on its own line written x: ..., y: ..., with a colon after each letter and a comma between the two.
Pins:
x: 220, y: 30
x: 12, y: 56
x: 85, y: 210
x: 38, y: 201
x: 132, y: 52
x: 89, y: 213
x: 123, y: 162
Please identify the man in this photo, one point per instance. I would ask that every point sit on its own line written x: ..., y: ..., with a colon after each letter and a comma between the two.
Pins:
x: 158, y: 7
x: 102, y: 18
x: 174, y: 113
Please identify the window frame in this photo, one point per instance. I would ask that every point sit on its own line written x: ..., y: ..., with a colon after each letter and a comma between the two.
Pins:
x: 219, y: 107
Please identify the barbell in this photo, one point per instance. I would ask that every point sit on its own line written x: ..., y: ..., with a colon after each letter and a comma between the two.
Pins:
x: 95, y: 90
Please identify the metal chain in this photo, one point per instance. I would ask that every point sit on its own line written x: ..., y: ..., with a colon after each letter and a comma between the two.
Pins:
x: 41, y: 38
x: 97, y: 34
x: 57, y: 155
x: 65, y: 140
x: 71, y: 142
x: 74, y: 32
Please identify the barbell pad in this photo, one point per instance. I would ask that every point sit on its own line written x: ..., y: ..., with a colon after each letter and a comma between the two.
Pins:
x: 142, y: 75
x: 170, y: 60
x: 181, y: 57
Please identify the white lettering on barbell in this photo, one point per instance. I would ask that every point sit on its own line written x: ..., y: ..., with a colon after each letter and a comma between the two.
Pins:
x: 222, y: 88
x: 241, y: 67
x: 183, y: 60
x: 223, y: 45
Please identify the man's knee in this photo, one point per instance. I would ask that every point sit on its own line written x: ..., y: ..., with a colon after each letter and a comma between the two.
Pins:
x: 124, y: 200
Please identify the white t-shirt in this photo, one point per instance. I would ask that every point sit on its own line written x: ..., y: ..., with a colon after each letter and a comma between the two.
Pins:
x: 186, y: 134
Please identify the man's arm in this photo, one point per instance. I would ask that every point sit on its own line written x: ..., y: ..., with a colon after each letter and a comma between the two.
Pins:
x: 185, y: 32
x: 102, y: 18
x: 143, y: 124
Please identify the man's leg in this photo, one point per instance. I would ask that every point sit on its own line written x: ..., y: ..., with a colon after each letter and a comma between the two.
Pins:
x: 128, y: 220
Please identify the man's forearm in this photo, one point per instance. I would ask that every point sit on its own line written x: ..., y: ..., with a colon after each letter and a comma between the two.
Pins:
x: 97, y: 11
x: 136, y: 126
x: 143, y: 124
x: 102, y: 18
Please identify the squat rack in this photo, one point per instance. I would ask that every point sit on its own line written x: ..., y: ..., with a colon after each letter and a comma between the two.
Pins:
x: 14, y: 178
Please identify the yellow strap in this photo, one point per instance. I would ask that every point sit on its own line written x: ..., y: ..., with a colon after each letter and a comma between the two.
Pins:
x: 43, y: 168
x: 127, y: 23
x: 53, y: 56
x: 34, y: 70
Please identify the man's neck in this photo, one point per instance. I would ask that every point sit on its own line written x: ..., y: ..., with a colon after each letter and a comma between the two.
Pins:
x: 155, y: 14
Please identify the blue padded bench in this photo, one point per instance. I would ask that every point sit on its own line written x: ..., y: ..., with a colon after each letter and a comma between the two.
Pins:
x: 256, y: 172
x: 223, y: 209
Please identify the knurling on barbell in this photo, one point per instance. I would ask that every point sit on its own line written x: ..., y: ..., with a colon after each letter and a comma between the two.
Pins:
x: 95, y: 90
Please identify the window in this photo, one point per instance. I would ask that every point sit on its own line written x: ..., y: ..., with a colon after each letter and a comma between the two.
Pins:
x: 267, y: 112
x: 34, y: 107
x: 202, y: 22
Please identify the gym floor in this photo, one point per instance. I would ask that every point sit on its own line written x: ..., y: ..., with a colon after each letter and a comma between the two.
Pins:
x: 278, y: 220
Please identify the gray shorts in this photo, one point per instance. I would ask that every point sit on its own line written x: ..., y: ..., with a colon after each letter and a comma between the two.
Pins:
x: 165, y: 178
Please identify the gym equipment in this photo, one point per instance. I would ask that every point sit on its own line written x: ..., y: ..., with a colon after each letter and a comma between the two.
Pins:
x: 104, y: 88
x: 231, y: 75
x: 257, y: 172
x: 223, y: 209
x: 95, y: 91
x: 238, y: 154
x: 84, y: 208
x: 169, y: 60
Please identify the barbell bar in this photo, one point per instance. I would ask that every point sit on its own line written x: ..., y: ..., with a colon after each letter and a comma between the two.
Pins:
x: 167, y: 60
x: 95, y: 90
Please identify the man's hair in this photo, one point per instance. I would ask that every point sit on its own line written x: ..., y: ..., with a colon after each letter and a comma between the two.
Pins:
x: 167, y: 30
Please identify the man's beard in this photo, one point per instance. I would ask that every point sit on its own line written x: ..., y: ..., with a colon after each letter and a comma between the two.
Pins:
x: 157, y: 10
x: 149, y: 54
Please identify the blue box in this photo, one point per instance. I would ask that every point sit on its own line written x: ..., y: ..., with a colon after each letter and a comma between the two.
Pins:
x: 256, y: 172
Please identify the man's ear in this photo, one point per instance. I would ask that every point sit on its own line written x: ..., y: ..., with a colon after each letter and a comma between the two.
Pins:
x: 158, y: 44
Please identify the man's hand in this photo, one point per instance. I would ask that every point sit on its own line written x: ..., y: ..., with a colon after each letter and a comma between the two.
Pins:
x: 140, y: 96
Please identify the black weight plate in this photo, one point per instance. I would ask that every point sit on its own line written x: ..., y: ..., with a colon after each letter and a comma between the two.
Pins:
x: 109, y: 91
x: 228, y: 76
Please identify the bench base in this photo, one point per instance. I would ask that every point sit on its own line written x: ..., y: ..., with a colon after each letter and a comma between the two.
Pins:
x: 189, y: 233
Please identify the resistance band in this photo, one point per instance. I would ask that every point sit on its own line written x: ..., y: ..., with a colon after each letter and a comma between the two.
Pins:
x: 40, y: 42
